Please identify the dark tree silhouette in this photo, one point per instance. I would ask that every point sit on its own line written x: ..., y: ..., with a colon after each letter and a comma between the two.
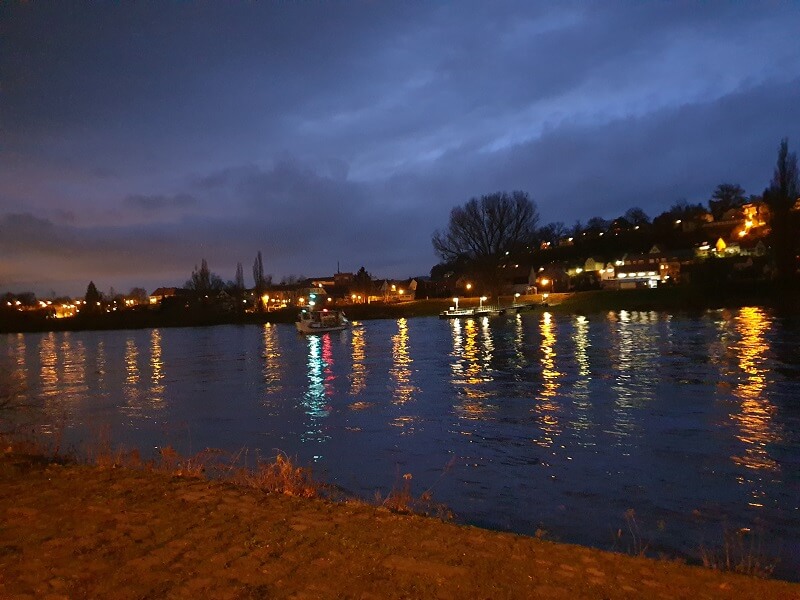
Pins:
x: 552, y: 232
x: 489, y: 227
x: 362, y: 282
x: 725, y: 197
x: 636, y: 216
x: 780, y: 196
x: 138, y: 294
x: 92, y: 298
x: 204, y: 281
x: 238, y: 283
x: 596, y: 225
x: 259, y: 281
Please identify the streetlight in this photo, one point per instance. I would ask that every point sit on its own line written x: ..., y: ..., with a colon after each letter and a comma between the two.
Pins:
x: 456, y: 301
x: 482, y: 299
x: 469, y: 287
x: 516, y: 297
x: 545, y: 282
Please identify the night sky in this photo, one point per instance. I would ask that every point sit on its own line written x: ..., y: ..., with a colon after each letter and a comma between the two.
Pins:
x: 138, y: 138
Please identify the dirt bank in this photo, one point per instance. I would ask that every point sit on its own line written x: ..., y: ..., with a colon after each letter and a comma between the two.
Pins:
x: 85, y: 532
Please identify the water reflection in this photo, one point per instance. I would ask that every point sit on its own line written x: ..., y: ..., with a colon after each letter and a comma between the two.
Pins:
x: 18, y: 377
x: 580, y: 389
x: 314, y: 399
x: 73, y: 366
x: 518, y: 361
x: 157, y: 369
x: 272, y: 359
x: 100, y: 365
x: 755, y: 419
x: 133, y: 393
x: 545, y: 407
x: 48, y: 371
x: 471, y: 366
x: 401, y: 364
x: 636, y: 367
x: 358, y: 376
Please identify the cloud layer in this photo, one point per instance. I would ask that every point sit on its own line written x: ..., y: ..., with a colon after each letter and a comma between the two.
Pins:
x: 140, y: 138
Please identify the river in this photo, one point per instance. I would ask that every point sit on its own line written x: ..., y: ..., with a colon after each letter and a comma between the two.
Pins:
x: 618, y: 430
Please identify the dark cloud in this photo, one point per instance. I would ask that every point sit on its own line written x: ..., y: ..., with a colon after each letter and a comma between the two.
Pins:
x: 159, y: 201
x: 139, y: 137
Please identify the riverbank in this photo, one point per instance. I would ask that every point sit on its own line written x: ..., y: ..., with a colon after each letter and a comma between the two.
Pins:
x: 72, y: 531
x: 673, y: 299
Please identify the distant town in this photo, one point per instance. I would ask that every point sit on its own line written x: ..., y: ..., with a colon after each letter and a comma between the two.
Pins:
x: 493, y: 248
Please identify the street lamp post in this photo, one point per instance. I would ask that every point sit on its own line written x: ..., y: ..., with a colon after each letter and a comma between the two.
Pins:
x: 482, y: 300
x: 545, y: 282
x: 456, y: 301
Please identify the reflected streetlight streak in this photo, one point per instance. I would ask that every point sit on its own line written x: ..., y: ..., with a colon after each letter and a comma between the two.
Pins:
x: 401, y: 364
x: 580, y: 389
x: 755, y: 419
x: 73, y: 367
x: 519, y: 361
x: 48, y: 373
x: 133, y: 401
x: 637, y: 359
x: 19, y: 376
x: 544, y: 406
x: 472, y: 352
x: 272, y: 359
x: 358, y: 376
x: 314, y: 397
x: 157, y: 370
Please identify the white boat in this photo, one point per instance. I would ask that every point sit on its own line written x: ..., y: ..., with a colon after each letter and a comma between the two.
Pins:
x: 321, y: 321
x: 455, y: 313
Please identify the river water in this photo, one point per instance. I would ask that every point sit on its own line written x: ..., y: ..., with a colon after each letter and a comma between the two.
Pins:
x: 558, y: 423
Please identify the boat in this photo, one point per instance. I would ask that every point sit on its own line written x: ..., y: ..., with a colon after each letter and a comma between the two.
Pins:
x: 455, y: 313
x: 321, y: 321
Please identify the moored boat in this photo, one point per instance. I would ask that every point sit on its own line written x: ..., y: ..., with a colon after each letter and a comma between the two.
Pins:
x: 321, y: 321
x: 454, y: 313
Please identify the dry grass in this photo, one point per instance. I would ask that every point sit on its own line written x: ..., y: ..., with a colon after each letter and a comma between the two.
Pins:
x: 279, y: 476
x: 400, y: 499
x: 630, y: 538
x: 742, y: 551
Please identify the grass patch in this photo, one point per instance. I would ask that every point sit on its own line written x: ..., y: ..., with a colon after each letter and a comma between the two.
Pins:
x: 741, y: 551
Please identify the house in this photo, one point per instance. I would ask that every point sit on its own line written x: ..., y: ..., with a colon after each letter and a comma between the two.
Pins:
x: 517, y: 278
x: 551, y: 278
x: 650, y: 269
x: 397, y: 290
x: 160, y: 294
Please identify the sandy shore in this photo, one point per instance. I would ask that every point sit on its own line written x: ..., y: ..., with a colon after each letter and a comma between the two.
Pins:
x: 86, y: 532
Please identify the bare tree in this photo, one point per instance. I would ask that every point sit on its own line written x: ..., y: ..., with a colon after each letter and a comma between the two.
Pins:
x: 636, y: 216
x: 203, y: 280
x: 139, y: 294
x: 488, y: 227
x: 725, y: 197
x: 239, y: 281
x: 552, y: 232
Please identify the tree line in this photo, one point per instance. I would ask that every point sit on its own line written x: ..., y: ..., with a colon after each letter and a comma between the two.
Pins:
x: 483, y: 231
